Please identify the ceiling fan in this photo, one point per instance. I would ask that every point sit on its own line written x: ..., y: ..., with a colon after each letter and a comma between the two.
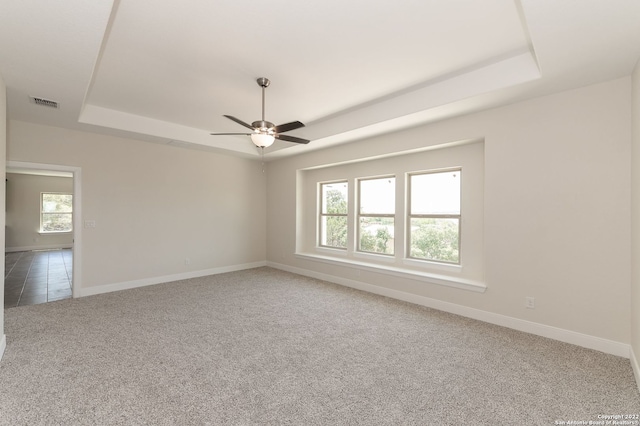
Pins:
x: 264, y: 133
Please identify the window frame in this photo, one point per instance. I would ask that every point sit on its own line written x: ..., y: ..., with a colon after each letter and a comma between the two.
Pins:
x: 468, y: 275
x: 410, y: 215
x: 43, y: 213
x: 360, y: 215
x: 322, y: 215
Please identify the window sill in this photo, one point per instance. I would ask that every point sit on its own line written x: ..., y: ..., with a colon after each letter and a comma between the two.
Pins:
x: 444, y: 280
x: 55, y: 232
x: 449, y: 267
x: 332, y: 251
x: 375, y: 257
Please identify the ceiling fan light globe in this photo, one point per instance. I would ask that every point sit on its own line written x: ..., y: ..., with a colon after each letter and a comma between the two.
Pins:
x: 262, y: 140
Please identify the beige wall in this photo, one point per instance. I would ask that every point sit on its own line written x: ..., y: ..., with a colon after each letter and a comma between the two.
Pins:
x: 557, y: 209
x: 3, y: 145
x: 23, y: 212
x: 153, y: 205
x: 635, y: 221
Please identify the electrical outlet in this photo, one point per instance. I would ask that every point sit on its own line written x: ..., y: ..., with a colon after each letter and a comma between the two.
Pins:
x: 530, y: 302
x: 187, y: 261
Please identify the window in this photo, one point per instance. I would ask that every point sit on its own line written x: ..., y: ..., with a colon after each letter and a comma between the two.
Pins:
x: 56, y: 212
x: 376, y: 210
x: 409, y: 215
x: 434, y: 216
x: 333, y: 214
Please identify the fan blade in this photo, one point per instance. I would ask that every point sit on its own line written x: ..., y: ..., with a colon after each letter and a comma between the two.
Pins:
x: 240, y: 122
x: 288, y: 127
x: 291, y: 139
x: 219, y: 134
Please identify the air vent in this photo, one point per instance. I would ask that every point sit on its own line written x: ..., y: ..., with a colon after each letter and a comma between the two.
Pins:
x: 44, y: 102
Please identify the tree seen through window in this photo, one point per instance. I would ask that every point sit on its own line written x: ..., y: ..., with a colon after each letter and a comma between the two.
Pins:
x: 56, y: 213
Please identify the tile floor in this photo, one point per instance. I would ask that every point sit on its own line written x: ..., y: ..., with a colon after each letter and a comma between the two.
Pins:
x: 33, y: 277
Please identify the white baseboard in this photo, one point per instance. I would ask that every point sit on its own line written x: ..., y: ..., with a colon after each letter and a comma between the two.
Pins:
x: 567, y: 336
x: 635, y: 367
x: 40, y: 247
x: 3, y: 345
x: 108, y: 288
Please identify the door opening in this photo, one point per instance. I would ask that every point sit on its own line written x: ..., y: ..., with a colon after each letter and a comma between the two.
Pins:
x: 43, y: 233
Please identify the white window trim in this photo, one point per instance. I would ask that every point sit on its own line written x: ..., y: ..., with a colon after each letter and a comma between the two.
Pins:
x: 353, y: 250
x: 443, y: 266
x: 322, y: 215
x: 375, y: 257
x: 55, y: 232
x: 407, y: 254
x: 43, y: 232
x: 360, y: 215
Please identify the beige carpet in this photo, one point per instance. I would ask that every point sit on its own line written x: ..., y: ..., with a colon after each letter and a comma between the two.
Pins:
x: 268, y: 347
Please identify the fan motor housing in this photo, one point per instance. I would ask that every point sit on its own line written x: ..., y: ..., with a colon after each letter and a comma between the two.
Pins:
x: 263, y: 125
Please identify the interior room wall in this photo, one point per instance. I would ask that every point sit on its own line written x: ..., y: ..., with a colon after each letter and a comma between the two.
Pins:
x: 635, y: 224
x: 23, y: 212
x: 556, y: 212
x: 3, y: 146
x: 160, y: 212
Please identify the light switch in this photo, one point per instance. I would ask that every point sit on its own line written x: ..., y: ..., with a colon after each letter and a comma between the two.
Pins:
x: 89, y: 223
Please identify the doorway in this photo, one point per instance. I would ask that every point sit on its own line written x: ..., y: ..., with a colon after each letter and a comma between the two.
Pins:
x: 41, y: 265
x: 37, y: 276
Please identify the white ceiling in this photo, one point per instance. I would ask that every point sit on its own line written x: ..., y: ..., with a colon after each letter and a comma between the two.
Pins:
x: 167, y: 71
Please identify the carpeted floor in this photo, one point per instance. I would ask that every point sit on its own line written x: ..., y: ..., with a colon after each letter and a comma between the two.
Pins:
x: 264, y: 346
